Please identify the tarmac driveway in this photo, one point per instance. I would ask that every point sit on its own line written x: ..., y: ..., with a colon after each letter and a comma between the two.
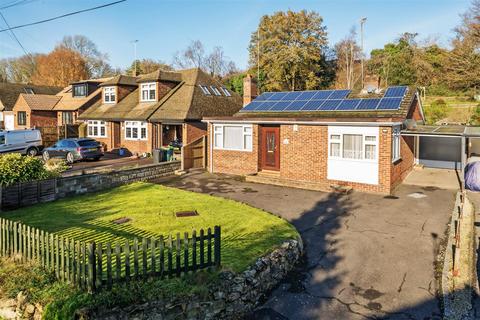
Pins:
x: 367, y: 256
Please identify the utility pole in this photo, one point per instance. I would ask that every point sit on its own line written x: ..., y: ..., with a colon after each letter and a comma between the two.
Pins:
x: 258, y: 60
x: 135, y: 57
x: 362, y: 22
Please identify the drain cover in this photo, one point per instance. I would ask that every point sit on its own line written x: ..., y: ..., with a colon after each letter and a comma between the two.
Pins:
x: 121, y: 220
x: 181, y: 214
x: 417, y: 195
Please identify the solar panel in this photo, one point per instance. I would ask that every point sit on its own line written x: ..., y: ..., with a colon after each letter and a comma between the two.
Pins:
x: 348, y: 104
x: 324, y: 94
x: 307, y: 95
x: 389, y: 103
x: 266, y: 106
x: 277, y: 96
x: 395, y: 92
x: 312, y: 105
x: 280, y: 105
x: 339, y: 94
x: 295, y: 105
x: 263, y: 96
x: 252, y: 106
x: 329, y: 105
x: 292, y: 95
x: 368, y: 104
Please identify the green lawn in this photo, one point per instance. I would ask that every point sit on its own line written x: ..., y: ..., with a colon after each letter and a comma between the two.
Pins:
x: 247, y: 232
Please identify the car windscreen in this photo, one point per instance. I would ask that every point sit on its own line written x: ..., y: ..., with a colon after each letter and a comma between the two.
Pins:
x: 87, y: 143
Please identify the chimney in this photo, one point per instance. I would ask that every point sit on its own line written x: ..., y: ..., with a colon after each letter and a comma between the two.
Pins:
x: 249, y: 89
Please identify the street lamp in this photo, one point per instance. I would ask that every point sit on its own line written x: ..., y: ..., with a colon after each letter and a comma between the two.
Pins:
x: 362, y: 22
x: 135, y: 56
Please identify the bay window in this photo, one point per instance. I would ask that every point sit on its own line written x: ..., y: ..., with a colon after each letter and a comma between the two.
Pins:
x: 233, y: 137
x: 148, y: 91
x: 396, y: 144
x: 96, y: 129
x: 109, y: 95
x: 352, y: 146
x: 135, y: 130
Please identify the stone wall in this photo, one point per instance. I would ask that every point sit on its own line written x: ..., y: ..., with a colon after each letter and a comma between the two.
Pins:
x: 235, y: 295
x: 75, y: 185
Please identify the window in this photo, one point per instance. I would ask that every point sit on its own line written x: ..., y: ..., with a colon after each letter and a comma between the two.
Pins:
x: 135, y: 130
x: 109, y: 95
x: 396, y: 144
x: 352, y: 146
x: 233, y: 137
x: 96, y: 129
x: 215, y: 91
x: 2, y: 139
x: 205, y: 90
x: 80, y: 90
x: 148, y: 91
x: 226, y: 92
x: 67, y: 117
x: 22, y: 118
x: 29, y: 91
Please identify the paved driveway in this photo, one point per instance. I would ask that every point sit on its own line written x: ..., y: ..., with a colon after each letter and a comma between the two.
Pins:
x: 367, y: 256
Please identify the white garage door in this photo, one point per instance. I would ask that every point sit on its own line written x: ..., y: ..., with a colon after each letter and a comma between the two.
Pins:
x: 9, y: 122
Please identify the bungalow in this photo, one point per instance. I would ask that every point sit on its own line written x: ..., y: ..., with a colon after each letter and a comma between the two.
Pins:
x: 9, y: 94
x: 153, y: 110
x: 318, y: 139
x: 51, y: 110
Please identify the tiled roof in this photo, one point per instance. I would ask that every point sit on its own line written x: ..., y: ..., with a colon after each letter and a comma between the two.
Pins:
x: 9, y: 93
x: 120, y: 80
x: 40, y: 101
x: 160, y: 75
x: 70, y: 103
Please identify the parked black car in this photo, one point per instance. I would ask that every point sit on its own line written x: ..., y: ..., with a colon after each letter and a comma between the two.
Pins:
x: 74, y: 149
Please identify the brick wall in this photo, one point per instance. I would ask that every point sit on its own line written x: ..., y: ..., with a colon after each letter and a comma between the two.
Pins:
x: 193, y: 130
x: 402, y: 167
x: 236, y: 162
x: 137, y: 146
x: 414, y: 112
x: 107, y: 142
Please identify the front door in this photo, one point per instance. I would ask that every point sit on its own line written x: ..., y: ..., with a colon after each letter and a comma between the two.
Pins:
x: 116, y: 135
x: 270, y: 148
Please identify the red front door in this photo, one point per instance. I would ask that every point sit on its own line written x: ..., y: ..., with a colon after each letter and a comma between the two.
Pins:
x: 270, y: 148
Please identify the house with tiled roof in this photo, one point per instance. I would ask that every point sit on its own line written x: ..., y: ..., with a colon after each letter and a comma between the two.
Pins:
x: 318, y: 140
x: 61, y: 108
x: 9, y: 94
x: 153, y: 110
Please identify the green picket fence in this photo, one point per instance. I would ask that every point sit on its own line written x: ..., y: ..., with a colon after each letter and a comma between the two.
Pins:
x: 95, y: 265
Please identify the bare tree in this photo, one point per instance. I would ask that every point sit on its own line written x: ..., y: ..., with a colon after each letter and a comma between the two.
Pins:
x: 348, y: 52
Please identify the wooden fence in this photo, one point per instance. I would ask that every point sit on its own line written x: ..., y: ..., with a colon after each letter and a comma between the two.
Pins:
x: 50, y: 135
x: 27, y: 193
x: 194, y: 154
x: 94, y: 265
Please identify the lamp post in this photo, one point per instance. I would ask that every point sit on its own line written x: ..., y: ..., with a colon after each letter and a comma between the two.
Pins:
x: 362, y: 22
x: 135, y: 57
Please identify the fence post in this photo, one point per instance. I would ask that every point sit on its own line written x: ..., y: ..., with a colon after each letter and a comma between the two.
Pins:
x: 92, y: 272
x: 216, y: 248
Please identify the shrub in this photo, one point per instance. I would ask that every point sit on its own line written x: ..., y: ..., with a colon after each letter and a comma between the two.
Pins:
x: 16, y: 168
x: 56, y: 166
x: 475, y: 117
x: 437, y: 111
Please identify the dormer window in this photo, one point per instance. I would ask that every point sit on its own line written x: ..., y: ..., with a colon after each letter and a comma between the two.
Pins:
x: 109, y: 95
x: 148, y: 91
x: 79, y: 90
x: 215, y: 91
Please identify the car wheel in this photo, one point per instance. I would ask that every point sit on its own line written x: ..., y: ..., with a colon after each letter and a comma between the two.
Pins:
x: 45, y: 156
x: 96, y: 158
x: 70, y: 158
x: 32, y: 152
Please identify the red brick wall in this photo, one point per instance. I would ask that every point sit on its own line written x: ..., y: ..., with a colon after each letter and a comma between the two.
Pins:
x: 43, y: 118
x: 193, y: 130
x: 235, y: 162
x: 402, y: 167
x: 107, y: 141
x: 137, y: 146
x: 414, y: 112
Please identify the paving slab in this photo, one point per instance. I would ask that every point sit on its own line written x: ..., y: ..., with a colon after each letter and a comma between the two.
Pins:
x: 367, y: 256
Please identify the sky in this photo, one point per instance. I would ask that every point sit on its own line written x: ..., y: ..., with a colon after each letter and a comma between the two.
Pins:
x: 163, y: 27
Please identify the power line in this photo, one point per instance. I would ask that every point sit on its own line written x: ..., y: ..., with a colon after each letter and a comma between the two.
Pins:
x: 62, y: 16
x: 15, y: 3
x: 16, y: 39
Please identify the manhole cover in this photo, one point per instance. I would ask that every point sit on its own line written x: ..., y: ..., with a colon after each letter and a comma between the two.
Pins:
x: 417, y: 195
x: 181, y: 214
x: 121, y: 220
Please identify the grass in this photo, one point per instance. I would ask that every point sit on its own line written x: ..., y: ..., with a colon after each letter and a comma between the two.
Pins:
x: 247, y: 232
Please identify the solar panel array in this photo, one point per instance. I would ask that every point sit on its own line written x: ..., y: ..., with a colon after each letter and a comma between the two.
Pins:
x: 324, y: 100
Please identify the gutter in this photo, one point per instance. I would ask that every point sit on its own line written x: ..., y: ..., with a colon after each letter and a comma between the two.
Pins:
x: 328, y: 123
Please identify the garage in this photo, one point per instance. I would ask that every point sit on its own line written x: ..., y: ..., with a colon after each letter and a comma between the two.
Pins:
x: 440, y: 152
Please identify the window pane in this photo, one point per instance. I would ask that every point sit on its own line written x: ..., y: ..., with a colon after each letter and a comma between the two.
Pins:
x: 370, y: 138
x: 233, y: 137
x: 90, y: 130
x: 95, y: 131
x: 128, y: 132
x: 144, y: 94
x: 143, y: 133
x: 135, y: 133
x: 247, y: 141
x: 335, y: 137
x: 218, y: 140
x: 102, y: 131
x: 335, y: 149
x: 370, y: 151
x: 152, y: 94
x: 352, y: 146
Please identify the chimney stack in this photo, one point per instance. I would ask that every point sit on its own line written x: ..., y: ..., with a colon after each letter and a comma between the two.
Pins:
x: 249, y: 89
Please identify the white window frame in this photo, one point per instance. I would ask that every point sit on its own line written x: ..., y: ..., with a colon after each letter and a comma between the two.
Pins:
x: 337, y: 138
x: 215, y: 91
x: 226, y: 92
x: 148, y: 87
x: 96, y: 125
x: 396, y: 144
x: 219, y: 133
x: 108, y: 94
x: 140, y: 126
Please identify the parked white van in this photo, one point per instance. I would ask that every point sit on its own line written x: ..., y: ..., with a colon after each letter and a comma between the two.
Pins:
x: 28, y: 142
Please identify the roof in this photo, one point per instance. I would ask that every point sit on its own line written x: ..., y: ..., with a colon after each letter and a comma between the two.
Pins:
x: 185, y: 101
x: 40, y: 101
x: 397, y: 115
x: 9, y: 93
x: 443, y: 130
x: 98, y: 80
x: 120, y: 80
x: 70, y: 103
x: 161, y: 75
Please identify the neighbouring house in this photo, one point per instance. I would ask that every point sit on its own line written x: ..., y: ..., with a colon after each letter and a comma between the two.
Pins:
x: 9, y: 94
x: 156, y: 109
x: 35, y: 110
x: 318, y: 139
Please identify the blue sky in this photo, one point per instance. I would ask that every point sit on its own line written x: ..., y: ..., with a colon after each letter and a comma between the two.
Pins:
x: 166, y: 26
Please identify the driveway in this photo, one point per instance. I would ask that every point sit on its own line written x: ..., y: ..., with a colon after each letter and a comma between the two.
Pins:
x: 367, y: 256
x: 108, y: 161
